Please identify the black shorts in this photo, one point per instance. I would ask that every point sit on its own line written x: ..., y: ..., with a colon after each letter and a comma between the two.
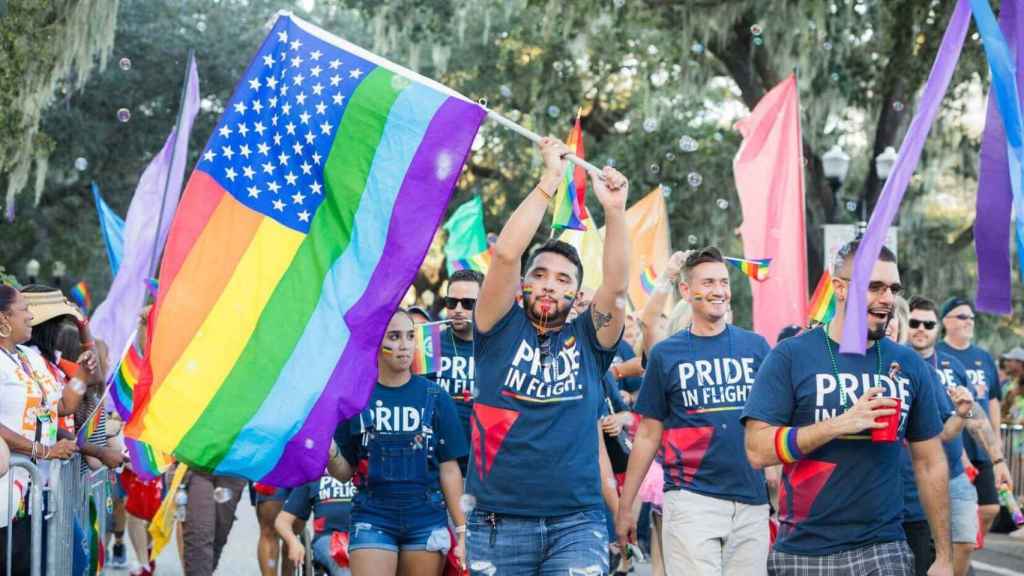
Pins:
x: 985, y: 484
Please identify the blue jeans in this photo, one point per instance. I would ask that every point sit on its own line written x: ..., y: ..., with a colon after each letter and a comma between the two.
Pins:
x: 384, y: 523
x: 501, y: 545
x: 322, y: 555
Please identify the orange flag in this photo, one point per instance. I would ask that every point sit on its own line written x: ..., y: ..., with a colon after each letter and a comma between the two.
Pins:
x: 770, y: 179
x: 647, y: 222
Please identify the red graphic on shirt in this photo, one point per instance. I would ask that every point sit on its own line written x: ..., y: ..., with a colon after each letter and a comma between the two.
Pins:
x: 800, y: 486
x: 685, y: 448
x: 494, y: 424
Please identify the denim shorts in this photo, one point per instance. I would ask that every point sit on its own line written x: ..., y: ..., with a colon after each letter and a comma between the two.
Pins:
x: 383, y: 523
x: 322, y: 555
x: 963, y: 509
x: 503, y: 545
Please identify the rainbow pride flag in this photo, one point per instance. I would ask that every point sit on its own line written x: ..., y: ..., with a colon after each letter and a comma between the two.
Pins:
x: 124, y: 379
x: 570, y: 199
x: 147, y: 463
x: 427, y: 357
x: 90, y: 426
x: 823, y: 303
x: 81, y: 296
x: 299, y: 232
x: 755, y: 269
x: 479, y: 262
x: 648, y: 279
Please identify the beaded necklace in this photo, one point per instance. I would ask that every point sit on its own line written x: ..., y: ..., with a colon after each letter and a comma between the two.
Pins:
x: 835, y: 364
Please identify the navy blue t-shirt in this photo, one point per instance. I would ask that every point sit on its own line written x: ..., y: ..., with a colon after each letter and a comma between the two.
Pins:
x: 457, y: 375
x: 535, y: 445
x: 948, y: 374
x: 697, y: 386
x: 983, y: 382
x: 624, y: 353
x: 329, y: 500
x: 849, y: 492
x: 399, y: 410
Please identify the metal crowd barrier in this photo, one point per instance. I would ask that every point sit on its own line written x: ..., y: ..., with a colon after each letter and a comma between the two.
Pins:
x: 36, y: 507
x: 1013, y: 452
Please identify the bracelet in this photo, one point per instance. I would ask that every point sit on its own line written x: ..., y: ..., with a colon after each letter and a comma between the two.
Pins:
x: 786, y: 448
x: 35, y: 447
x: 460, y: 529
x: 544, y: 192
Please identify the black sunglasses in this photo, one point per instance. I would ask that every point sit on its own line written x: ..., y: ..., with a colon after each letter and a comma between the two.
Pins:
x: 467, y: 303
x: 928, y: 324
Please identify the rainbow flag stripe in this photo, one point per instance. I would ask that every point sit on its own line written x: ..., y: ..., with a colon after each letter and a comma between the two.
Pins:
x: 648, y: 280
x: 570, y: 199
x: 755, y: 269
x: 302, y: 226
x: 122, y: 389
x: 823, y: 303
x: 147, y: 463
x: 427, y: 358
x: 81, y: 296
x: 97, y: 553
x: 90, y: 427
x: 480, y: 262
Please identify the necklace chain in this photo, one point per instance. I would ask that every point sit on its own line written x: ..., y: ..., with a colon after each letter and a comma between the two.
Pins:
x: 835, y: 364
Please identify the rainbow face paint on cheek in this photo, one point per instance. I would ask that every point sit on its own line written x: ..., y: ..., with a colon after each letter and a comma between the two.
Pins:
x: 570, y: 295
x: 387, y: 350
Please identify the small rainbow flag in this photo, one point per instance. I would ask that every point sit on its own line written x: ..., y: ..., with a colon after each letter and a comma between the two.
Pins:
x: 122, y: 388
x: 97, y: 554
x: 755, y: 269
x: 648, y: 279
x: 823, y: 303
x: 570, y: 199
x: 90, y: 427
x: 479, y: 262
x: 427, y: 358
x: 147, y: 462
x: 81, y: 296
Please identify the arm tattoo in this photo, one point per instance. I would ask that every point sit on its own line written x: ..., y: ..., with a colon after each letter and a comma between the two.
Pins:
x: 981, y: 429
x: 600, y: 318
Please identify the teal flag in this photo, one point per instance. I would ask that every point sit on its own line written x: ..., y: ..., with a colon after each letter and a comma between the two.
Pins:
x: 112, y: 227
x: 467, y: 239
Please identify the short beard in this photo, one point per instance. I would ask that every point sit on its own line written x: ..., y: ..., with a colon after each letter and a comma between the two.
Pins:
x: 553, y: 320
x: 878, y: 333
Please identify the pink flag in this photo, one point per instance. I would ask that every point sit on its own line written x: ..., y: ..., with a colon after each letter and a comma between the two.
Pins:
x: 770, y: 179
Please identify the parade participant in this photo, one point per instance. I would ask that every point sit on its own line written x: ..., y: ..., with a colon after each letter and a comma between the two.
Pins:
x: 269, y: 501
x: 410, y: 439
x: 957, y: 317
x: 457, y: 374
x: 330, y: 503
x: 817, y: 411
x: 956, y: 407
x: 715, y: 511
x: 29, y: 399
x: 539, y: 469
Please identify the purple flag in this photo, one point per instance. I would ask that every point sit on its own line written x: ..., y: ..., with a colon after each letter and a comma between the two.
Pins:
x: 855, y: 325
x: 994, y: 202
x: 116, y: 318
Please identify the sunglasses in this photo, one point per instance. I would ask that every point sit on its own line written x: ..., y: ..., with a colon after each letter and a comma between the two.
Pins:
x: 964, y: 317
x: 879, y: 288
x: 467, y: 303
x: 928, y: 324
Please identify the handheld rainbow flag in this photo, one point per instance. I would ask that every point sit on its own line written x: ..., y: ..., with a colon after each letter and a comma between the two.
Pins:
x: 81, y: 296
x: 427, y: 358
x: 571, y: 198
x: 648, y: 280
x: 479, y: 262
x: 146, y: 462
x: 755, y: 269
x: 91, y: 425
x: 300, y: 230
x: 823, y: 302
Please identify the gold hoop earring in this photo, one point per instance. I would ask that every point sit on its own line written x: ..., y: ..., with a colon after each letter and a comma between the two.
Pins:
x: 7, y: 333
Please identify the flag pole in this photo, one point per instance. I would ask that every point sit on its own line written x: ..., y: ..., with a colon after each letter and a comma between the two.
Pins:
x: 167, y: 178
x: 535, y: 138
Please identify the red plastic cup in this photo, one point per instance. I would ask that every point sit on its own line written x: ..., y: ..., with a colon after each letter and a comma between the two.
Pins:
x: 892, y: 425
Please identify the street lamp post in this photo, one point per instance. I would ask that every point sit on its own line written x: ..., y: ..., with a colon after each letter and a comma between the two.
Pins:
x: 883, y: 167
x: 32, y: 271
x: 59, y: 270
x: 835, y: 163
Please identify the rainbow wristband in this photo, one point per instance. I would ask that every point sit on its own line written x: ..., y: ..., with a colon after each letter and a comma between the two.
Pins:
x: 786, y: 448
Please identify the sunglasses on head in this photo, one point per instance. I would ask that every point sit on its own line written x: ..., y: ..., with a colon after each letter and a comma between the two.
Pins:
x: 928, y: 324
x: 964, y: 317
x: 467, y: 303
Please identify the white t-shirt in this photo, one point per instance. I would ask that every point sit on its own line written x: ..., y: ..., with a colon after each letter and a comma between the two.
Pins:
x: 24, y: 383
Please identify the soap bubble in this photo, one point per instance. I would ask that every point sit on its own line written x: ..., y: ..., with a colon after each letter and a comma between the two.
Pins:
x: 467, y: 503
x: 897, y: 106
x: 718, y: 137
x: 722, y: 203
x: 201, y: 26
x: 827, y: 45
x: 271, y: 563
x: 222, y: 494
x: 650, y: 125
x: 443, y: 166
x: 482, y: 101
x: 124, y: 114
x: 688, y: 144
x: 77, y: 386
x: 610, y: 162
x: 758, y: 41
x: 697, y: 48
x: 125, y: 64
x: 399, y: 83
x: 308, y: 443
x: 834, y: 76
x: 81, y: 164
x: 851, y: 206
x: 654, y: 168
x: 620, y: 303
x: 756, y: 30
x: 553, y: 111
x: 666, y: 190
x: 652, y: 50
x: 692, y: 238
x: 505, y: 91
x: 694, y: 179
x: 669, y: 156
